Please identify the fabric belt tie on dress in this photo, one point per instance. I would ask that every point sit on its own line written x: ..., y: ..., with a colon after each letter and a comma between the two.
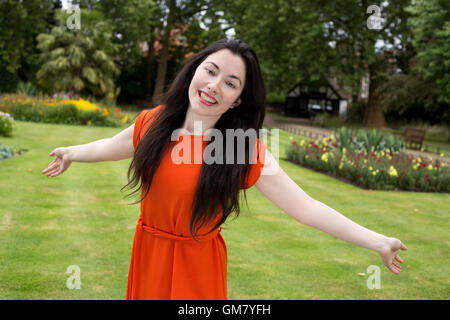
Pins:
x: 164, y: 234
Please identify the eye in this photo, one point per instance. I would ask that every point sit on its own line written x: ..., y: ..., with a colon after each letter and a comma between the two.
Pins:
x: 231, y: 85
x: 209, y: 71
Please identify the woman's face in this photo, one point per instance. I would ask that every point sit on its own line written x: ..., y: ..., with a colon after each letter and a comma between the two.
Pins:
x: 217, y: 84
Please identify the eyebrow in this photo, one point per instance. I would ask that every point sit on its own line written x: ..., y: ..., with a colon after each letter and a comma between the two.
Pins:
x: 231, y: 76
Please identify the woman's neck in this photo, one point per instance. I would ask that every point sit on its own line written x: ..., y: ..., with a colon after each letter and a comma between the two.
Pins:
x: 197, y: 124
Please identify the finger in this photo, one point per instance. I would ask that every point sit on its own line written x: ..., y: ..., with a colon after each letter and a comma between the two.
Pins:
x: 397, y: 265
x: 49, y: 168
x: 59, y: 171
x: 394, y: 269
x: 52, y: 173
x: 403, y: 247
x: 397, y: 257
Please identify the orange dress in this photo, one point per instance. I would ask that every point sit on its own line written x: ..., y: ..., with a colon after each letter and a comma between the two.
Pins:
x: 166, y: 262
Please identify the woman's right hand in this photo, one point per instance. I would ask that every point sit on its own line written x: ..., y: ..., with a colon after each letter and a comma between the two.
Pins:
x: 60, y: 164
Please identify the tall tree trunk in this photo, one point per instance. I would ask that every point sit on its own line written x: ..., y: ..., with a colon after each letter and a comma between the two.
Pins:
x: 164, y: 56
x: 374, y: 116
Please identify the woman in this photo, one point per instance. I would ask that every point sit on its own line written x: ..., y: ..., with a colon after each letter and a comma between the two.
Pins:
x: 178, y: 250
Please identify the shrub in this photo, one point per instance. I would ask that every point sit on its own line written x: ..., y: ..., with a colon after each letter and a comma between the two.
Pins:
x: 379, y: 169
x: 6, y: 124
x: 5, y: 153
x: 27, y: 88
x: 368, y: 140
x: 79, y: 111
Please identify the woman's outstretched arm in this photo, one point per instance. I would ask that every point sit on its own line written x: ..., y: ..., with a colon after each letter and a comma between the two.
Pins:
x: 289, y: 197
x: 111, y: 149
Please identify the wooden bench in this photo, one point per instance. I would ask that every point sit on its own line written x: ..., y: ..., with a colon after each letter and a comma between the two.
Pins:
x: 413, y: 137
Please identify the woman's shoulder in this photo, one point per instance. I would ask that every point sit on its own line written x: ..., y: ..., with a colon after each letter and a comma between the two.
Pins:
x: 143, y: 120
x: 147, y: 114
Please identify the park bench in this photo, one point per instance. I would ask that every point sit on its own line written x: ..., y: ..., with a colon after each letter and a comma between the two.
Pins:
x: 413, y: 137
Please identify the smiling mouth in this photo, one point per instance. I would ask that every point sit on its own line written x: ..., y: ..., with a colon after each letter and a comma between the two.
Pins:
x: 205, y: 99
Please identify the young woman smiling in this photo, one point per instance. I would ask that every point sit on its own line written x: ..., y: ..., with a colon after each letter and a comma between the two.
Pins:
x: 178, y: 250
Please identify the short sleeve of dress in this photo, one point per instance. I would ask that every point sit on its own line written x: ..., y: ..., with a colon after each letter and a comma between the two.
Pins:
x: 141, y: 124
x: 259, y: 155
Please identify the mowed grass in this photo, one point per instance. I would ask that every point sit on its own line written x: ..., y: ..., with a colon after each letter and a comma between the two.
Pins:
x: 81, y: 218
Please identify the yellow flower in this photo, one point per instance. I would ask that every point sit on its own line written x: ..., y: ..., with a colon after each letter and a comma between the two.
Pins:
x: 302, y: 143
x: 365, y: 161
x: 388, y: 151
x: 324, y: 157
x: 370, y: 168
x: 124, y: 119
x: 344, y: 150
x: 81, y: 104
x: 374, y: 173
x: 392, y: 172
x: 430, y: 167
x: 441, y: 155
x: 306, y: 157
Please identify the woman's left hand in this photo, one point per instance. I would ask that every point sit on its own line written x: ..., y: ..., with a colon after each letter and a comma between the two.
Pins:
x: 389, y: 254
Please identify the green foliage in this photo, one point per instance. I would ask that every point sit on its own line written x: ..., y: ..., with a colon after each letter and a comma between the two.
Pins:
x: 371, y: 140
x: 431, y: 26
x: 6, y: 124
x: 383, y: 170
x: 345, y: 139
x: 276, y: 100
x: 21, y: 21
x: 62, y: 114
x: 80, y: 60
x: 27, y: 88
x: 368, y: 140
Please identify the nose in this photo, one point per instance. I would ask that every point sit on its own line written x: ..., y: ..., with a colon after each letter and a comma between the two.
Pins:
x: 213, y: 85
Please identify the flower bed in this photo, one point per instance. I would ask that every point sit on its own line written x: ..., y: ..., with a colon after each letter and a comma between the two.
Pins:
x: 380, y: 169
x: 47, y: 110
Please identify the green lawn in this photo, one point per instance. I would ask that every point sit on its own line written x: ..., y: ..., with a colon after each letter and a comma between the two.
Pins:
x: 81, y: 218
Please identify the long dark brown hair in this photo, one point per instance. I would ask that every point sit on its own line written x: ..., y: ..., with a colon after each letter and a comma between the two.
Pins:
x: 219, y: 185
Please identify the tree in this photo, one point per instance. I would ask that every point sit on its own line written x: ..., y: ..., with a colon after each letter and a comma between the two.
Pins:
x: 183, y: 15
x: 306, y: 40
x: 368, y: 51
x: 20, y: 22
x: 73, y: 61
x: 287, y: 36
x: 431, y: 22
